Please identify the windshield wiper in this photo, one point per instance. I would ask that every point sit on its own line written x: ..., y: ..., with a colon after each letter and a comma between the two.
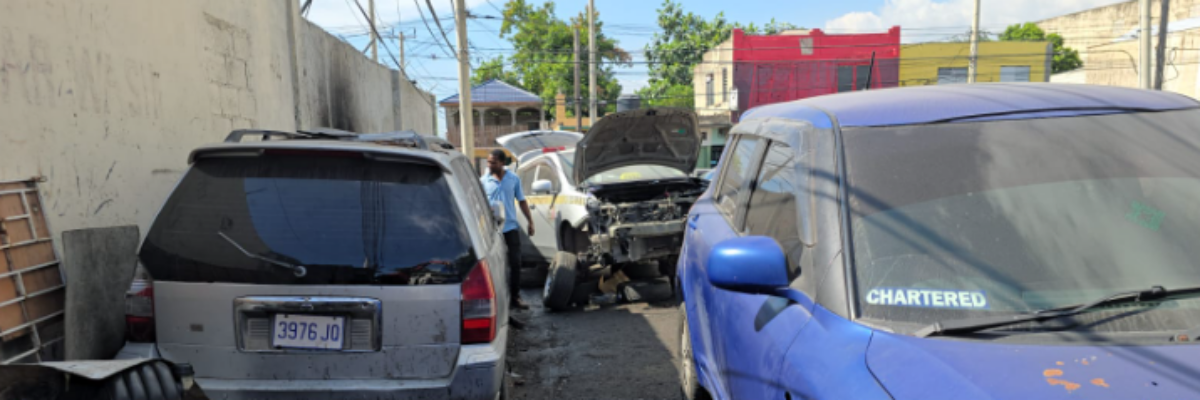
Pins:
x: 298, y: 270
x: 971, y: 325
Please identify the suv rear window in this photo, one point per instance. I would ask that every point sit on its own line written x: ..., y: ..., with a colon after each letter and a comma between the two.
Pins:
x: 347, y: 220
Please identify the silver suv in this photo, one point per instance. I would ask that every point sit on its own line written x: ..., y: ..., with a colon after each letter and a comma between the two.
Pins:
x: 327, y: 266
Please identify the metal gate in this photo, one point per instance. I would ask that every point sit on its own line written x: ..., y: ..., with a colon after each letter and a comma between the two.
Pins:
x: 32, y: 293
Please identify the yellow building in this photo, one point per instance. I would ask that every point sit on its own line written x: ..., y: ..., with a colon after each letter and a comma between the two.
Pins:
x: 944, y: 63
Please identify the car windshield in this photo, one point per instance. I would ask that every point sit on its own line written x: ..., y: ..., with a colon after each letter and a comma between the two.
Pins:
x: 972, y: 219
x: 623, y: 174
x: 346, y: 220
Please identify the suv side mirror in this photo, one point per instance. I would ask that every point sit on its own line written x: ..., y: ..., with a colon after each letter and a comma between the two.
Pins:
x: 751, y: 264
x: 542, y: 186
x: 498, y: 213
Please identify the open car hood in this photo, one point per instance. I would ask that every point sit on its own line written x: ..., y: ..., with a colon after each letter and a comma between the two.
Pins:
x: 657, y: 136
x: 523, y: 144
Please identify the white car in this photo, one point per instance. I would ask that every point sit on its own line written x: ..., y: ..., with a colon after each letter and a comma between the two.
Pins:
x: 619, y: 196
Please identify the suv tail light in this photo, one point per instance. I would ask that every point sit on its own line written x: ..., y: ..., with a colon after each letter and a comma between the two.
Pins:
x: 478, y: 306
x: 139, y: 311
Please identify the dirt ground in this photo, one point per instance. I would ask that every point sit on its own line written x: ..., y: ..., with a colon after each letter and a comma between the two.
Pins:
x: 625, y: 351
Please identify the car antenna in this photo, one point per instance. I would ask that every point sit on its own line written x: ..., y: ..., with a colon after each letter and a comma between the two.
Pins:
x: 870, y: 71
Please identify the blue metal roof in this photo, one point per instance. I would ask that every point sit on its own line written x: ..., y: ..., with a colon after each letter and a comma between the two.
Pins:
x: 496, y: 91
x: 977, y: 102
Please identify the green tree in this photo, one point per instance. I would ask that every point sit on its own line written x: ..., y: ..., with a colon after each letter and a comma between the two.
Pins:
x: 681, y: 44
x: 495, y: 69
x: 1065, y: 58
x: 543, y: 63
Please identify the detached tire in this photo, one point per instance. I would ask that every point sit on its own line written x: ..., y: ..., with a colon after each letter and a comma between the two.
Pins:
x: 149, y: 381
x: 560, y: 282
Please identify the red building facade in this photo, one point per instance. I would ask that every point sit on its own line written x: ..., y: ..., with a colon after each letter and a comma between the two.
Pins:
x: 777, y: 68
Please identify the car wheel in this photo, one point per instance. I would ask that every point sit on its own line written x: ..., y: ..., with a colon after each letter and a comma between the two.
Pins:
x: 689, y: 384
x: 150, y: 381
x: 560, y: 283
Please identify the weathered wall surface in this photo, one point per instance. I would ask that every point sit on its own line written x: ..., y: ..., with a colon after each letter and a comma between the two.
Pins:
x: 105, y: 99
x: 1110, y: 53
x: 1101, y: 25
x: 345, y: 89
x: 417, y: 109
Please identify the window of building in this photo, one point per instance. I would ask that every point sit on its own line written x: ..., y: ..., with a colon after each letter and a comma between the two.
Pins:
x: 1014, y: 73
x: 948, y: 76
x: 708, y: 86
x: 724, y: 85
x: 862, y: 75
x: 852, y: 77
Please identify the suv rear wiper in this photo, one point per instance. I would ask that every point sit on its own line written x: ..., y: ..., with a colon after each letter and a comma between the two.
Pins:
x: 971, y: 325
x: 298, y: 270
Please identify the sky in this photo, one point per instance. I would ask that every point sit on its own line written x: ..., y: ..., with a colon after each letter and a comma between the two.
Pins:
x: 633, y: 23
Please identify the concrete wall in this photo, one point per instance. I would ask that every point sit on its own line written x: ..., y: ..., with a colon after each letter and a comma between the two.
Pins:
x: 106, y: 99
x: 1110, y: 56
x: 919, y: 63
x: 1115, y: 64
x: 1101, y: 25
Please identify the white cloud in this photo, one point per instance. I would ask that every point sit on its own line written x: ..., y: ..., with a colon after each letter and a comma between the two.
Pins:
x: 926, y: 20
x: 856, y: 22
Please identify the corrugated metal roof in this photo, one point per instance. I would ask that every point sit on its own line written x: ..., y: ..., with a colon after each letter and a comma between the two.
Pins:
x: 496, y: 91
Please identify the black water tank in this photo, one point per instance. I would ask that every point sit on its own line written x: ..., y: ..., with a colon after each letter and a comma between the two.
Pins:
x: 628, y: 102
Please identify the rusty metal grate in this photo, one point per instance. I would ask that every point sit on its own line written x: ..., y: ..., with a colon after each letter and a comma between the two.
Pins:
x: 32, y: 290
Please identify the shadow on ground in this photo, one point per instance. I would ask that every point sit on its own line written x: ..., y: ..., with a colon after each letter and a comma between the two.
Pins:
x: 626, y: 351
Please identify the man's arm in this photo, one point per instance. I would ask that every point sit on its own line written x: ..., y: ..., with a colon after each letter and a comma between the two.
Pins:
x: 525, y: 210
x: 519, y: 195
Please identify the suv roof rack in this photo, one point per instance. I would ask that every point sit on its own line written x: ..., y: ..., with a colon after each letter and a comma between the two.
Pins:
x: 402, y: 138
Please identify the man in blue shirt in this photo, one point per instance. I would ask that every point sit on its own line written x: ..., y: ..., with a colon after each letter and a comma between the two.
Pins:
x: 505, y: 187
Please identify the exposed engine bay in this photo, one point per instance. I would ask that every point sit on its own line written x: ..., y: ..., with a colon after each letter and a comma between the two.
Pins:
x: 640, y: 221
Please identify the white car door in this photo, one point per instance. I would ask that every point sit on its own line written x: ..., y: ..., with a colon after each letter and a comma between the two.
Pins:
x: 544, y: 239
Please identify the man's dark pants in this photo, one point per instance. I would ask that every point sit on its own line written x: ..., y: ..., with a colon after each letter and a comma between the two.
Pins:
x: 512, y: 239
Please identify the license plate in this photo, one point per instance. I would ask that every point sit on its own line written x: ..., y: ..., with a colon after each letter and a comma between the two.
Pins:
x: 308, y: 332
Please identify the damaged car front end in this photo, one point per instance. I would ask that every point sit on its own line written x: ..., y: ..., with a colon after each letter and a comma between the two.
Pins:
x: 635, y: 169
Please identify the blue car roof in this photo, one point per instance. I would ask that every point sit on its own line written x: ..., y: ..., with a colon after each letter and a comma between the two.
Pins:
x: 986, y: 101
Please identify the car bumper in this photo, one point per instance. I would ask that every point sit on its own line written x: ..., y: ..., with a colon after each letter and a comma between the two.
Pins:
x: 478, y: 375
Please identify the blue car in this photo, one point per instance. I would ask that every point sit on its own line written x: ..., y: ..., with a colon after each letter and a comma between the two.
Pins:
x: 991, y: 241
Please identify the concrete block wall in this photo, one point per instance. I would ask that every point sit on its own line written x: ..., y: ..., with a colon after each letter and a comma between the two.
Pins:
x: 104, y: 99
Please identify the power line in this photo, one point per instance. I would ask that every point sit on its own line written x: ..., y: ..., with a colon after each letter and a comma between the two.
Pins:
x: 433, y: 14
x: 422, y: 13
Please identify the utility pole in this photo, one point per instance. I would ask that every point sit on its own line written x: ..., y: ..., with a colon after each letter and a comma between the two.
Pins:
x: 593, y: 110
x: 1144, y: 49
x: 1161, y: 58
x: 374, y: 37
x: 578, y: 114
x: 974, y: 46
x: 465, y: 115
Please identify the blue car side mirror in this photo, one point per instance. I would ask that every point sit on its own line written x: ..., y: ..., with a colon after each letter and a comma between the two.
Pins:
x: 752, y: 264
